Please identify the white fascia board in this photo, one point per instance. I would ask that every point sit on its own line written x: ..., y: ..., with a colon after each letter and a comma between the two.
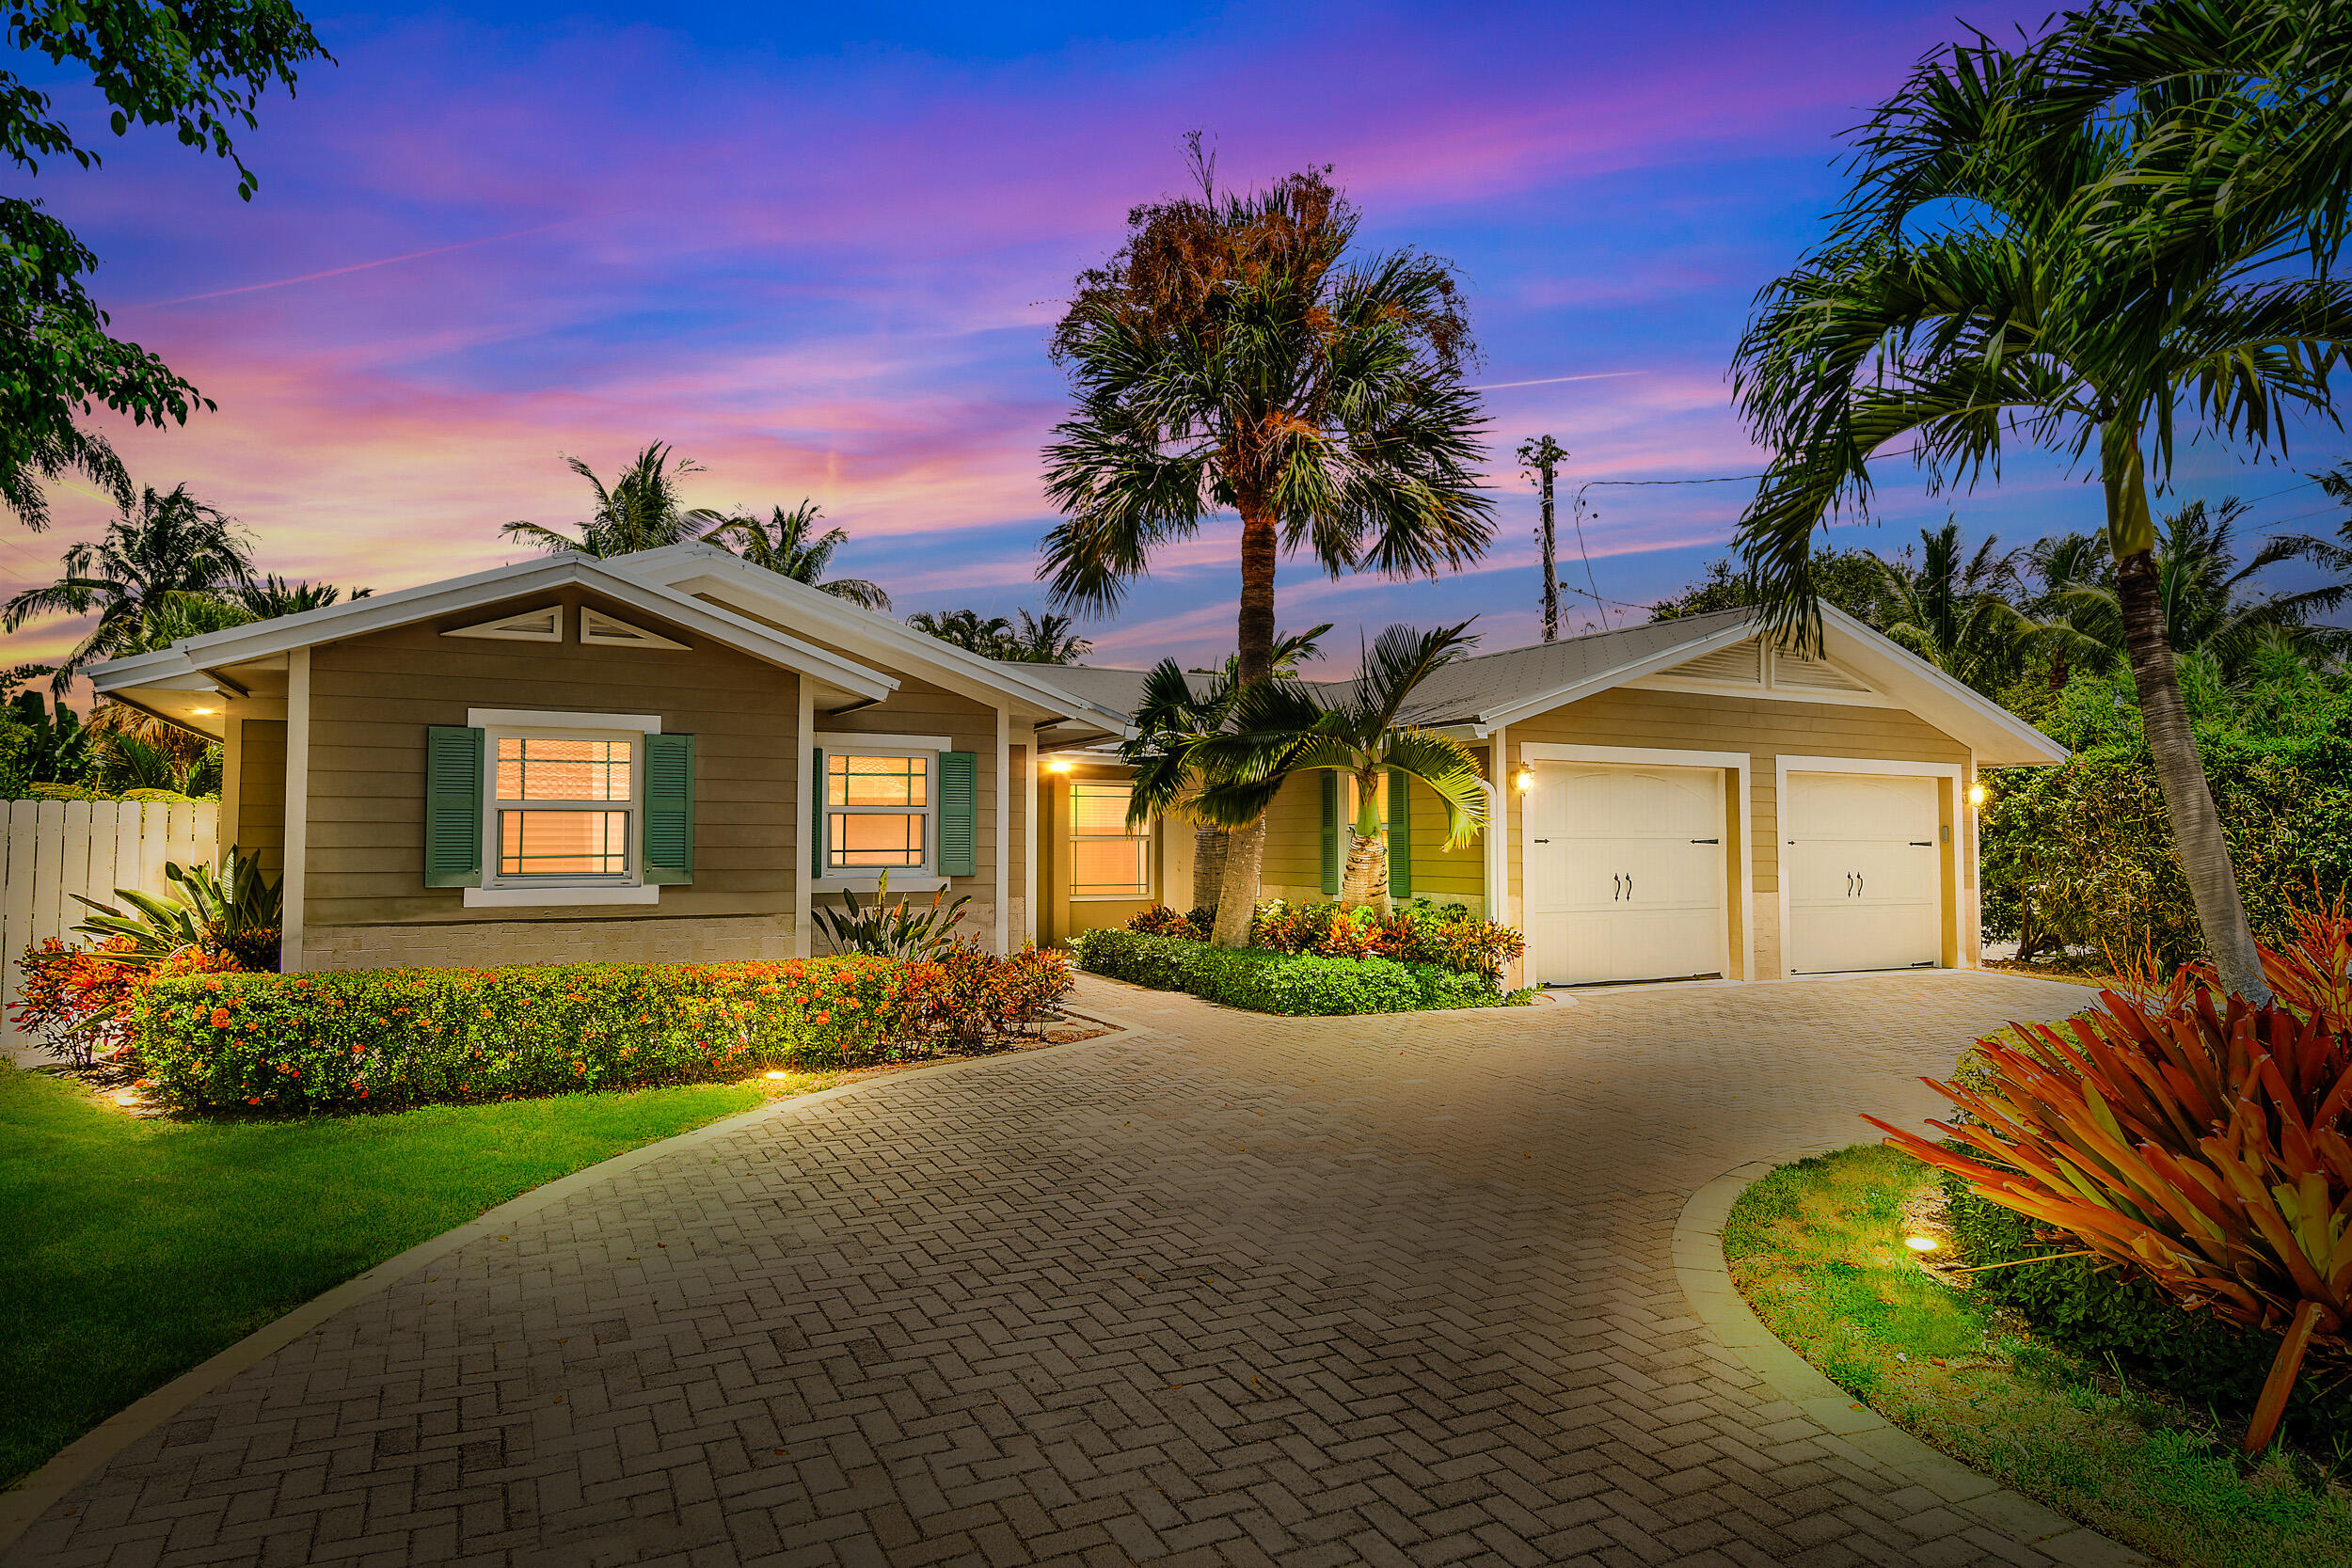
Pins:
x: 677, y: 566
x: 1495, y: 718
x: 1998, y: 736
x: 404, y: 607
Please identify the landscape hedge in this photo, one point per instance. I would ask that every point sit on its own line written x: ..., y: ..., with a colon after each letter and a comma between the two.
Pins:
x: 1289, y: 983
x: 385, y: 1039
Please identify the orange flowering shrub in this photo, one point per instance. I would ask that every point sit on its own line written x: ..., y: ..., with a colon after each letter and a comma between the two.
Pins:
x: 77, y: 1001
x: 394, y: 1037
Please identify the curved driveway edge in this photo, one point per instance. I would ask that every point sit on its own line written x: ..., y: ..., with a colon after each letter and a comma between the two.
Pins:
x: 21, y: 1505
x: 1706, y: 1283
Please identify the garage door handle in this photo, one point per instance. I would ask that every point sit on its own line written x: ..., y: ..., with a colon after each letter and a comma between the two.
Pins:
x: 1619, y: 879
x: 1849, y: 884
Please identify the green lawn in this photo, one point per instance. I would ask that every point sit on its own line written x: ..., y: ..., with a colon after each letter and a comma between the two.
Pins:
x: 1816, y: 1248
x: 139, y: 1248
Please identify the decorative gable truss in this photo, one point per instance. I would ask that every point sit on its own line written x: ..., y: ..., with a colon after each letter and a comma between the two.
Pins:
x: 544, y: 625
x: 1752, y: 669
x: 597, y: 627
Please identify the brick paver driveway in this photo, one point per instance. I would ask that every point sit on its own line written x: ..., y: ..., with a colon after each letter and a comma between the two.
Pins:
x: 1382, y: 1289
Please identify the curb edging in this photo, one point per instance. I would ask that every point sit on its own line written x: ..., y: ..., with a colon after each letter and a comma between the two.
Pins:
x: 1698, y: 1259
x: 25, y: 1504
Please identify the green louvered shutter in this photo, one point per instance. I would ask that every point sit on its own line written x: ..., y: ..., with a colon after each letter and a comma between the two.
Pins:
x: 669, y: 848
x: 817, y: 815
x: 959, y: 814
x: 1400, y: 834
x: 1330, y: 834
x: 452, y: 806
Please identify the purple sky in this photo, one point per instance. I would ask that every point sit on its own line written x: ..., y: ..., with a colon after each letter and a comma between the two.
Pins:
x: 821, y: 257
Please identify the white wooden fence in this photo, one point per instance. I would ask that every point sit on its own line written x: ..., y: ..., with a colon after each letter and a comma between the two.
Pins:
x: 57, y: 849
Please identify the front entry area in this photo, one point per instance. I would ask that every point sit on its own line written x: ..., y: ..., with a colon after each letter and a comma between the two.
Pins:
x: 1864, y: 861
x: 1625, y: 872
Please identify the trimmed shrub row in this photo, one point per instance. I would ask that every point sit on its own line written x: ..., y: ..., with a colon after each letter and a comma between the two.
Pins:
x: 1289, y: 983
x: 394, y: 1038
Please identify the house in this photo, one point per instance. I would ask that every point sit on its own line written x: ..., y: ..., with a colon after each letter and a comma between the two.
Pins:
x: 678, y: 755
x: 1673, y: 799
x: 670, y: 755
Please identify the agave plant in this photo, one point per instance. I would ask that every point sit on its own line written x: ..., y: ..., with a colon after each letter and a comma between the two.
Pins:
x: 2205, y: 1149
x: 890, y: 930
x: 235, y: 910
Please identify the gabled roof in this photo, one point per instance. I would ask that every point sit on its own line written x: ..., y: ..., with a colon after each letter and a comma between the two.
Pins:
x: 706, y: 569
x: 1483, y: 691
x: 183, y: 667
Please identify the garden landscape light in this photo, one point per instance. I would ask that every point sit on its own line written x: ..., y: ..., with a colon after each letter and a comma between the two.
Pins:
x: 1920, y: 1243
x: 776, y: 1075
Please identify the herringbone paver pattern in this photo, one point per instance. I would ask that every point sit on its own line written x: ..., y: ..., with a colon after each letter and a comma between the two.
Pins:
x: 1238, y: 1290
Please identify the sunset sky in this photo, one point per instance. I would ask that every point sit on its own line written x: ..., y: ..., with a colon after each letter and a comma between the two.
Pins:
x: 820, y: 253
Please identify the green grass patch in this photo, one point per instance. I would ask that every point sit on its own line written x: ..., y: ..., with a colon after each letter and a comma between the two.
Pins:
x: 1818, y: 1249
x: 139, y: 1248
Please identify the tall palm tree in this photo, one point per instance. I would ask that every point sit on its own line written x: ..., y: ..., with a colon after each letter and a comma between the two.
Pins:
x: 2019, y: 313
x: 965, y: 628
x: 1173, y: 717
x: 1045, y: 640
x: 173, y: 543
x: 788, y: 544
x: 1229, y: 358
x: 2203, y: 591
x: 1282, y: 728
x: 641, y: 510
x: 1952, y: 608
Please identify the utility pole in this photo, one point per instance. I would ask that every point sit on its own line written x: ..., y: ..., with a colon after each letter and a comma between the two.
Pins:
x: 1543, y: 455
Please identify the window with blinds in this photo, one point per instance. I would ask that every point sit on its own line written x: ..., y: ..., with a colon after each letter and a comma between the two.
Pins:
x: 1108, y: 860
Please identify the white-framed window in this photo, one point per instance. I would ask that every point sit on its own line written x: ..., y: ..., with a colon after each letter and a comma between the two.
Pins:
x: 561, y: 804
x: 878, y: 798
x: 1108, y: 859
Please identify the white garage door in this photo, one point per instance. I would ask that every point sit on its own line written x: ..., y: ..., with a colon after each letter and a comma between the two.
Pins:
x: 1625, y: 872
x: 1864, y: 861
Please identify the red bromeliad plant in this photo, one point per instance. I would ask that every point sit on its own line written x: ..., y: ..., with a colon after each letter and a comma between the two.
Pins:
x: 2205, y: 1149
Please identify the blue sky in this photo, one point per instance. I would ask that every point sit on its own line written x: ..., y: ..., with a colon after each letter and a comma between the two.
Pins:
x: 820, y: 253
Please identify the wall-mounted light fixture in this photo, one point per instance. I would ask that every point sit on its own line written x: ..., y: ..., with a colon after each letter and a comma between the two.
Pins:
x: 203, y: 710
x: 1524, y: 780
x: 1058, y: 765
x: 1975, y: 795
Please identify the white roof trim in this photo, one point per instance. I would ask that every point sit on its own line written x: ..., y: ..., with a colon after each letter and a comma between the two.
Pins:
x: 1998, y: 736
x: 675, y: 564
x: 404, y: 606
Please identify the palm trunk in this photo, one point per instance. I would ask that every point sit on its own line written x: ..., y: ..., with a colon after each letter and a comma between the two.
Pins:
x: 2198, y: 838
x: 1237, y: 898
x: 1366, y: 878
x: 1210, y: 847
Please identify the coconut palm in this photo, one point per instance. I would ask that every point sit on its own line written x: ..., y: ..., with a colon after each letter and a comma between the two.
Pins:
x: 1952, y: 608
x: 2204, y: 592
x: 641, y: 510
x: 965, y: 628
x: 173, y: 543
x: 1045, y: 640
x: 1173, y: 717
x: 2008, y: 317
x: 1282, y: 728
x: 788, y: 544
x: 1230, y: 358
x: 272, y: 595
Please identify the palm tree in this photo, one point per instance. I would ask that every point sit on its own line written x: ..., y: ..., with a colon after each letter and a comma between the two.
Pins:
x: 1228, y: 358
x: 2015, y: 318
x: 789, y: 544
x: 965, y: 628
x: 1045, y: 640
x: 640, y: 511
x: 1952, y: 609
x: 1282, y: 728
x: 174, y: 544
x: 272, y: 596
x: 1174, y: 717
x: 2202, y: 589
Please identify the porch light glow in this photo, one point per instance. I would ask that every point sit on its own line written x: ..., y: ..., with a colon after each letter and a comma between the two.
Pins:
x: 1524, y: 780
x: 1975, y: 795
x: 203, y: 710
x: 1059, y: 765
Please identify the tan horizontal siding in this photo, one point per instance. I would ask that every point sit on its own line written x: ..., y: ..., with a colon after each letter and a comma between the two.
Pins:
x: 372, y: 697
x: 1294, y: 840
x: 260, y: 827
x: 918, y: 708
